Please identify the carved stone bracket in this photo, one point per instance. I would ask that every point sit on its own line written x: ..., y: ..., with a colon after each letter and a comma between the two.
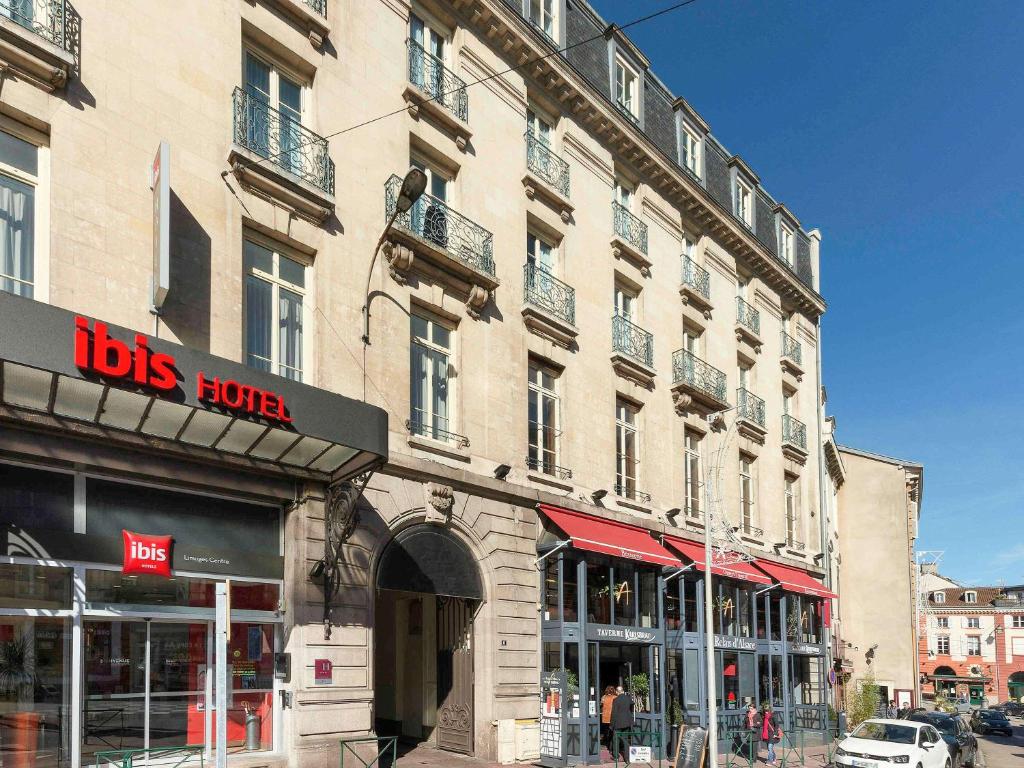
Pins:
x: 400, y: 259
x: 476, y: 301
x: 440, y: 499
x: 681, y: 402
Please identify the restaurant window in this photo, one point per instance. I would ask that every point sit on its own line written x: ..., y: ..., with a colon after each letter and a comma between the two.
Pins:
x: 690, y: 614
x: 543, y: 419
x: 274, y: 289
x: 736, y: 679
x: 624, y: 595
x: 744, y: 613
x: 627, y: 456
x: 431, y: 364
x: 19, y: 183
x: 762, y: 617
x: 570, y: 586
x: 692, y: 472
x: 724, y: 608
x: 551, y: 611
x: 807, y: 679
x: 673, y: 605
x: 777, y: 619
x: 647, y: 586
x: 599, y: 609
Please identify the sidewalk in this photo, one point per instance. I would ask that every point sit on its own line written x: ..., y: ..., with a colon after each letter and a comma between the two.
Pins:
x: 425, y: 756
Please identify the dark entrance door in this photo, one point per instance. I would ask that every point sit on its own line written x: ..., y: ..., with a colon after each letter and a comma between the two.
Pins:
x: 455, y: 674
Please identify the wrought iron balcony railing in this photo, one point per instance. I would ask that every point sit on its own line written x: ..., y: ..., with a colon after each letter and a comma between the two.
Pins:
x: 751, y: 530
x: 419, y: 426
x: 627, y: 491
x: 627, y: 113
x: 791, y: 348
x: 799, y: 546
x: 548, y: 292
x: 632, y: 341
x: 320, y: 6
x: 747, y: 316
x: 430, y: 75
x: 539, y: 464
x: 698, y: 278
x: 794, y: 432
x: 546, y: 164
x: 689, y: 369
x: 282, y: 141
x: 749, y: 406
x: 432, y: 220
x: 629, y: 227
x: 47, y: 18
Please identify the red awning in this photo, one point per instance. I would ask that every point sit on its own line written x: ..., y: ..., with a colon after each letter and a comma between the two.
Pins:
x: 694, y: 551
x: 609, y: 537
x: 795, y: 579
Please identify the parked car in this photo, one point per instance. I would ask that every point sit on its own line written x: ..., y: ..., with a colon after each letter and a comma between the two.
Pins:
x: 880, y: 742
x: 963, y: 746
x: 963, y: 706
x: 991, y: 721
x: 1011, y: 708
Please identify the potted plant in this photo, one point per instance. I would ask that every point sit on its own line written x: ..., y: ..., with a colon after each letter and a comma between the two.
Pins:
x: 19, y: 730
x: 639, y: 689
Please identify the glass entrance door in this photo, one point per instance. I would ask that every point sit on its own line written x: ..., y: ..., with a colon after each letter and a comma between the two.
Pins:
x: 143, y: 684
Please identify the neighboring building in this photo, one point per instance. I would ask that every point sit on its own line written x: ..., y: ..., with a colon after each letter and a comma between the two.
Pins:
x: 880, y: 508
x: 498, y: 378
x: 972, y: 641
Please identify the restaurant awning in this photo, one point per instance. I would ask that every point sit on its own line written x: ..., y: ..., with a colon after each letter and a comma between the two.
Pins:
x: 795, y: 579
x: 609, y: 537
x: 694, y: 551
x: 70, y: 372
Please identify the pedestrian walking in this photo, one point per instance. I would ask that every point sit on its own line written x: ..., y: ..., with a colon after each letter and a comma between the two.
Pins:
x: 769, y: 732
x: 753, y: 727
x: 891, y: 712
x: 606, y: 716
x: 622, y: 723
x: 904, y: 712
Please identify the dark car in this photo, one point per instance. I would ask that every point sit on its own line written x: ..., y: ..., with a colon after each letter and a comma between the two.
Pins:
x: 963, y: 747
x: 1010, y: 708
x: 991, y: 721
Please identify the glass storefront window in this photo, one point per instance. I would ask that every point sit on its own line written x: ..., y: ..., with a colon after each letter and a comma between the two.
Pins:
x: 777, y: 618
x: 673, y: 605
x: 551, y: 612
x: 690, y: 587
x: 728, y: 665
x: 762, y: 617
x: 806, y: 679
x: 35, y: 675
x: 35, y: 586
x: 598, y: 594
x: 570, y: 596
x: 744, y: 613
x: 115, y: 588
x: 647, y: 584
x: 251, y: 675
x: 691, y: 677
x: 624, y: 594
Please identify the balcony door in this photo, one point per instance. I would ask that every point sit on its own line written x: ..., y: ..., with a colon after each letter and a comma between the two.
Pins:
x: 274, y: 113
x: 427, y: 55
x: 430, y: 212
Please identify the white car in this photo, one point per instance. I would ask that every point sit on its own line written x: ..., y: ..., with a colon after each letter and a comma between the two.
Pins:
x: 882, y: 742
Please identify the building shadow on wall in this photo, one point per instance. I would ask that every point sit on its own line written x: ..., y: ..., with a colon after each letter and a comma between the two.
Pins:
x: 186, y: 311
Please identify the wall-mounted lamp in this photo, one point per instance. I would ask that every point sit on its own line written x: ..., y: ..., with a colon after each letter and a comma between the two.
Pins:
x: 599, y: 494
x: 501, y: 471
x: 672, y: 513
x: 316, y: 573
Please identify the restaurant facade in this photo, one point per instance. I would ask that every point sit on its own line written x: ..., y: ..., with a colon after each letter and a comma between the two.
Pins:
x: 624, y: 606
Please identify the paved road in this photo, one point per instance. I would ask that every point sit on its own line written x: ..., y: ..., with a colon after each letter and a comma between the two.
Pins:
x: 1001, y: 752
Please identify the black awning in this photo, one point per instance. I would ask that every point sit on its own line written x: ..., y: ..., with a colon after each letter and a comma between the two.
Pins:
x: 72, y: 367
x: 431, y: 560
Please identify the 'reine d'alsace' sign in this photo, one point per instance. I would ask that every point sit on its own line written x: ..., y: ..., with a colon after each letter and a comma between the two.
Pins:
x: 146, y: 554
x: 96, y: 351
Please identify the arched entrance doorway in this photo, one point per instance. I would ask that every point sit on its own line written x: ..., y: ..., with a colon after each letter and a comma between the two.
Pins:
x: 428, y: 592
x: 1016, y: 686
x: 944, y: 687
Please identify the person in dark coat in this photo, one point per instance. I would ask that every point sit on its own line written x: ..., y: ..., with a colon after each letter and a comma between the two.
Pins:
x: 769, y: 732
x: 622, y: 721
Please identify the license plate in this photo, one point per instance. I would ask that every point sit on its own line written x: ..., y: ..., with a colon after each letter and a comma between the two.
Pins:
x: 862, y: 763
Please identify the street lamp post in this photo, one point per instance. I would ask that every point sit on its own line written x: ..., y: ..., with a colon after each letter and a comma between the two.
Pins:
x: 413, y: 185
x: 996, y: 632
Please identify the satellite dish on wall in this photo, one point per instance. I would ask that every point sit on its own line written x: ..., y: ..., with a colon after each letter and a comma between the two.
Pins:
x: 975, y: 670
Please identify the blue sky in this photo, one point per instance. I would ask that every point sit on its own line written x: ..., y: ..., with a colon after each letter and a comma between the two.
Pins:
x: 897, y: 128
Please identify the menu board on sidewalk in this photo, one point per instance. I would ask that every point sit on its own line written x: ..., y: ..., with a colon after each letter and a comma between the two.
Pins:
x: 691, y: 746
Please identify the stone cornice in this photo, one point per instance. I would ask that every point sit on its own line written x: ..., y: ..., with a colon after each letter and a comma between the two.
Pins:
x: 508, y: 31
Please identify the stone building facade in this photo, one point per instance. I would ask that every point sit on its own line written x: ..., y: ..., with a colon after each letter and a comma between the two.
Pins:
x: 555, y: 183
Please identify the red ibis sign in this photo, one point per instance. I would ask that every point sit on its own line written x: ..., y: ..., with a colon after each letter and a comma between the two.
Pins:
x: 96, y: 351
x: 146, y: 554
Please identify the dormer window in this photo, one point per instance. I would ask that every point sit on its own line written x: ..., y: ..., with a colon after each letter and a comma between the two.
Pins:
x: 744, y: 202
x: 541, y: 14
x: 786, y: 244
x: 938, y: 597
x: 970, y: 597
x: 689, y: 147
x: 627, y: 89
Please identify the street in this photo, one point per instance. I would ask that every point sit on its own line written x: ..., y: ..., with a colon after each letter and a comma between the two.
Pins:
x: 1001, y: 752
